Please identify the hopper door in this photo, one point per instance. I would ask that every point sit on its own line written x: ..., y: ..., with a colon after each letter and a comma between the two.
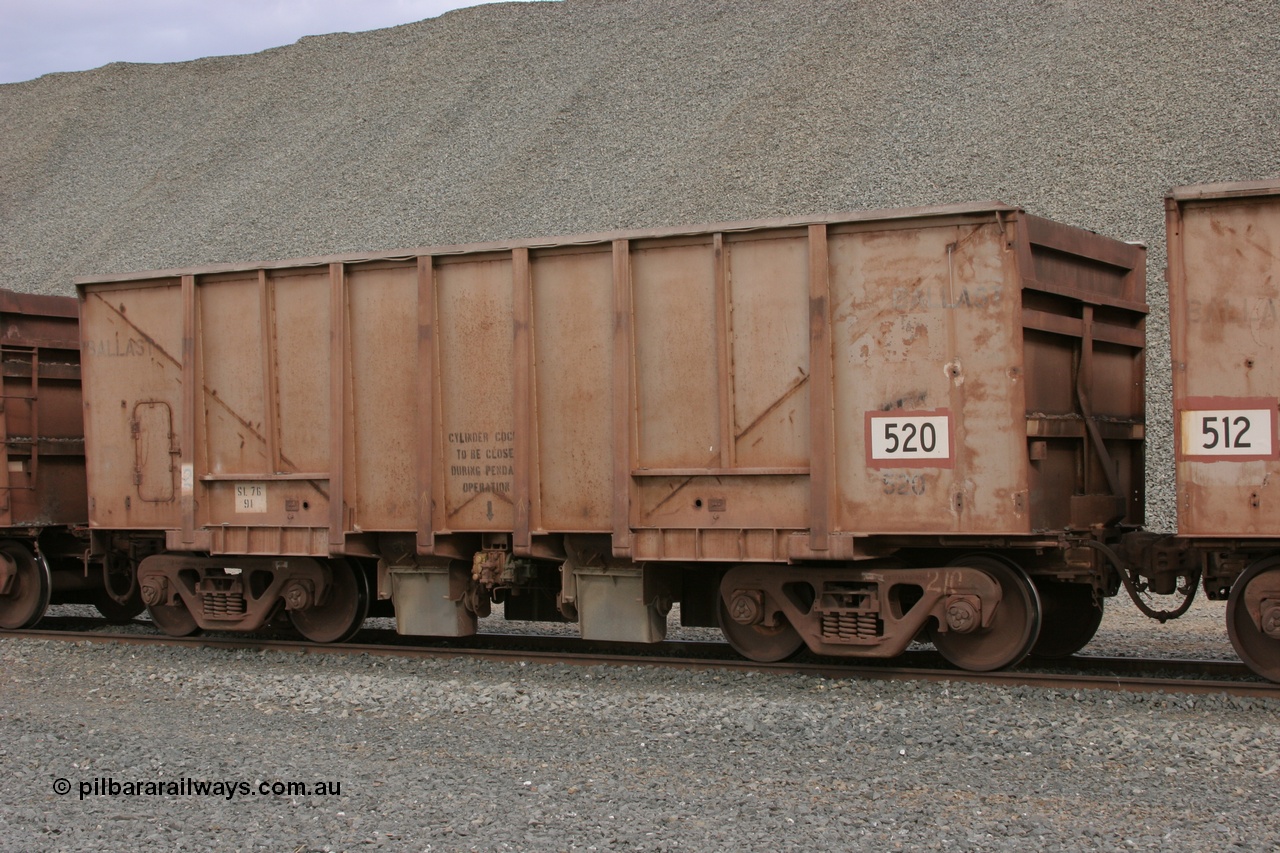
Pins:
x: 154, y: 451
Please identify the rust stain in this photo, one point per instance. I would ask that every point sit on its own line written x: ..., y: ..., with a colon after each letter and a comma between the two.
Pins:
x: 795, y: 386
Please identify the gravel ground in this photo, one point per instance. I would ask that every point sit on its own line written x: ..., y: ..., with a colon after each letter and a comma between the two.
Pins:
x: 461, y: 755
x: 1200, y: 634
x: 521, y: 120
x: 457, y: 755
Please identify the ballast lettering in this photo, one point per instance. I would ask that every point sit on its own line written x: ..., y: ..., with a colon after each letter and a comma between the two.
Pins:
x: 116, y: 347
x: 907, y: 300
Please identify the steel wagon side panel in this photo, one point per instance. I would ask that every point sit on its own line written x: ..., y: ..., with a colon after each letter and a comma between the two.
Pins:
x: 133, y: 359
x: 263, y: 466
x: 925, y: 323
x: 477, y: 391
x: 572, y: 350
x: 720, y: 356
x: 700, y: 395
x: 1224, y: 284
x: 382, y: 415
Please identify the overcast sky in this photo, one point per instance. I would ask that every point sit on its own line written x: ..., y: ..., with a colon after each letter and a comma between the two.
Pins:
x: 41, y: 36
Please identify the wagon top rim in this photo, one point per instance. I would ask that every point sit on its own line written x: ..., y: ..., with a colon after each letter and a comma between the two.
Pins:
x: 584, y: 239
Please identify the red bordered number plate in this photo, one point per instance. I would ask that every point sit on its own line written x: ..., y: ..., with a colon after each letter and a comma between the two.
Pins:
x: 1227, y: 429
x: 909, y: 439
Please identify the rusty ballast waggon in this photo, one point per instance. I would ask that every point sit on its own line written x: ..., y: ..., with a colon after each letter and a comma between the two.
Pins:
x: 1224, y: 281
x: 43, y: 512
x: 839, y: 432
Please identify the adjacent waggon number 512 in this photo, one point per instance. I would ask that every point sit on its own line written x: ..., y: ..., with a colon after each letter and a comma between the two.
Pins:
x: 900, y: 438
x: 1228, y: 432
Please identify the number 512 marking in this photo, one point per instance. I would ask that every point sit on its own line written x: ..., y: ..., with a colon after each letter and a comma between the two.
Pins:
x: 1230, y: 434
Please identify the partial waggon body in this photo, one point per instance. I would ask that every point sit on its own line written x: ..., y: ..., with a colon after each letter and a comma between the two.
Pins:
x: 1224, y: 285
x: 42, y: 478
x: 802, y: 430
x: 43, y: 504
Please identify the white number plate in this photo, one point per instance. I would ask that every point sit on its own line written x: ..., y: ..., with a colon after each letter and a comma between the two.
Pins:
x: 1228, y: 432
x: 251, y: 497
x: 922, y: 439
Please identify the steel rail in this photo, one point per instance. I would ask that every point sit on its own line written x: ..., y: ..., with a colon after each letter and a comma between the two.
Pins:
x: 1079, y: 672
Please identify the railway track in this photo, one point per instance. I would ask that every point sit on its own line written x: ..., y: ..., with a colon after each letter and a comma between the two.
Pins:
x: 1078, y: 672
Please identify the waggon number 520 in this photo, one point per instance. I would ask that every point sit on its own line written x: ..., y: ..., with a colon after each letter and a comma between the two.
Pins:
x: 897, y: 438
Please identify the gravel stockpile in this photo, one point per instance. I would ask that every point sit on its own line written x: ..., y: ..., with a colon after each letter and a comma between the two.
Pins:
x: 551, y: 118
x: 465, y: 756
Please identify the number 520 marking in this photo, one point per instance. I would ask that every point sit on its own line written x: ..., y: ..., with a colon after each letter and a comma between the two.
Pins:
x: 903, y: 439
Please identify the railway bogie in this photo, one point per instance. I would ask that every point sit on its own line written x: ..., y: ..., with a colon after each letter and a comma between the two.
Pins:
x: 326, y: 599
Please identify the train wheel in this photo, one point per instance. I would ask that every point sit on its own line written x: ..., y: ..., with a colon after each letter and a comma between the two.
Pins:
x: 1069, y: 619
x: 758, y: 642
x: 174, y: 619
x: 1014, y: 627
x: 29, y: 587
x: 1257, y: 645
x: 338, y: 619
